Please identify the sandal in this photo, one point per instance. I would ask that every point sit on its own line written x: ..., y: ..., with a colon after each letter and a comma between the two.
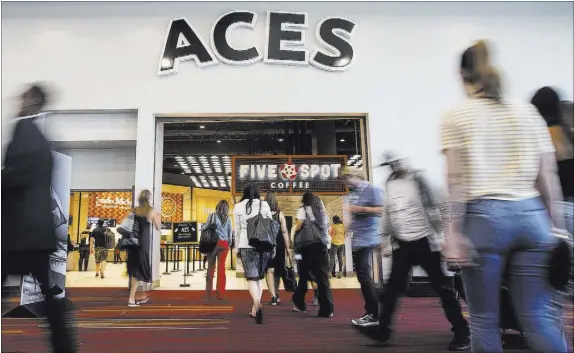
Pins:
x: 133, y: 304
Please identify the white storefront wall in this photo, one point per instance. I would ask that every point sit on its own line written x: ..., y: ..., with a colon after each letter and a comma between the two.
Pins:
x: 106, y: 55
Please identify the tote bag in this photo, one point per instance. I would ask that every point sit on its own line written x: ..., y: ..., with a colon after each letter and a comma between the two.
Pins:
x: 309, y: 234
x: 262, y: 232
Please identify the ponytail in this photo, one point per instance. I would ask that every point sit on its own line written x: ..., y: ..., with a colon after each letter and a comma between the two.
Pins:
x: 476, y: 69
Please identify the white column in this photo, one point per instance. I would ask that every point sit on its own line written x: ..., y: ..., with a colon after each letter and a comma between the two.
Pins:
x: 145, y: 165
x: 158, y: 176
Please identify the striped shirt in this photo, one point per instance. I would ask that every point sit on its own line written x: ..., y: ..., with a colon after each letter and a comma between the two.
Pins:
x: 500, y: 147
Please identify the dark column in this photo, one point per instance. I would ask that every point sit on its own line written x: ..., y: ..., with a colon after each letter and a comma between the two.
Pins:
x: 325, y: 135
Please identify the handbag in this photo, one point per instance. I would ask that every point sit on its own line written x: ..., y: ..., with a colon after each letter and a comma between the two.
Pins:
x: 262, y: 232
x: 129, y: 230
x: 208, y: 240
x: 560, y: 269
x: 309, y: 234
x: 289, y: 279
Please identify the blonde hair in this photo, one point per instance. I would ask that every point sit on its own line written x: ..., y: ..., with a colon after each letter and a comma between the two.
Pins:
x: 476, y: 69
x: 354, y: 172
x: 144, y: 204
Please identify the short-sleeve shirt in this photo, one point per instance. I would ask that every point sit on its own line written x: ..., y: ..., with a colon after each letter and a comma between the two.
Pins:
x: 242, y: 214
x: 99, y: 235
x: 500, y: 147
x: 366, y: 228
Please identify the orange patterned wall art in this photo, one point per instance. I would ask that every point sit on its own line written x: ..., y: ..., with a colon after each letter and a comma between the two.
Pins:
x: 171, y: 207
x: 110, y: 204
x: 117, y: 205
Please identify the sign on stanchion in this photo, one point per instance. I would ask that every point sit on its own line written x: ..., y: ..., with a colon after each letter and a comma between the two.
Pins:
x: 31, y: 296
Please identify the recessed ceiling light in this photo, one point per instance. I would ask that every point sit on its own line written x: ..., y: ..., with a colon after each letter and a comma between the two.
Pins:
x: 202, y: 126
x: 281, y: 140
x: 342, y: 140
x: 218, y: 141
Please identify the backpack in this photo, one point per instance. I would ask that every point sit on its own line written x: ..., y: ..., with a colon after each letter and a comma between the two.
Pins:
x: 110, y: 239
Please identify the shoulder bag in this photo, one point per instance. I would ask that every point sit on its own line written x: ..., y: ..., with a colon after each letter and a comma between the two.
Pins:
x: 560, y: 266
x: 309, y: 234
x: 262, y: 232
x: 129, y: 230
x: 208, y: 240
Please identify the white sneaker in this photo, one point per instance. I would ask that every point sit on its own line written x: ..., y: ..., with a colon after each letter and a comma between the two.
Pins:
x: 365, y: 321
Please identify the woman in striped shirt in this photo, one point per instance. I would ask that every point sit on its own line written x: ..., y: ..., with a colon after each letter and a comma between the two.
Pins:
x: 502, y: 186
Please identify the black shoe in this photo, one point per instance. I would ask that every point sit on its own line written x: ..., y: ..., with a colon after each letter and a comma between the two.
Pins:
x: 259, y: 317
x: 377, y: 333
x: 459, y: 343
x: 299, y: 308
x: 326, y: 316
x: 274, y: 301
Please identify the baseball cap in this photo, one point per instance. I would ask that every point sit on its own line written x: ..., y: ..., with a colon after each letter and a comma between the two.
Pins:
x: 390, y: 157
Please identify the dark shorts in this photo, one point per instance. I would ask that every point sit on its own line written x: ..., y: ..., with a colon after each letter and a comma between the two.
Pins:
x: 254, y: 263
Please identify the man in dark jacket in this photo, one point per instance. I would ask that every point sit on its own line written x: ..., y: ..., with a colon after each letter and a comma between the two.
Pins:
x: 28, y: 234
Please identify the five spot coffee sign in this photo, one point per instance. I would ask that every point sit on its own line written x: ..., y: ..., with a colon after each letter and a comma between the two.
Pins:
x: 290, y: 174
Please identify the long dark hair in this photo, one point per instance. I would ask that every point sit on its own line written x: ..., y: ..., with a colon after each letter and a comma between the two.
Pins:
x: 250, y: 193
x: 476, y: 69
x: 222, y: 211
x: 310, y: 200
x: 547, y: 101
x: 271, y: 199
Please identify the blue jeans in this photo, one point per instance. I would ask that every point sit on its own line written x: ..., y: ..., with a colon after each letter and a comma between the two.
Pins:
x: 517, y: 232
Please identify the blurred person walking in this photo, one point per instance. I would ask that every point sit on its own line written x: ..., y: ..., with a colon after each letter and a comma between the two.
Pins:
x: 313, y: 263
x: 503, y: 185
x: 412, y: 232
x: 276, y: 266
x: 28, y: 235
x: 138, y: 263
x: 365, y: 205
x: 559, y: 118
x: 254, y: 262
x: 224, y: 232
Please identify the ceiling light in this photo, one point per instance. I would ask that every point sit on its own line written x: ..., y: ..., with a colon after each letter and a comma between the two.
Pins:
x: 202, y: 126
x: 342, y: 140
x: 281, y: 139
x: 218, y: 141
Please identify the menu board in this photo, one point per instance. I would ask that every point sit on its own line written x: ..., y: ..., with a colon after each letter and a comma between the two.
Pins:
x: 185, y: 232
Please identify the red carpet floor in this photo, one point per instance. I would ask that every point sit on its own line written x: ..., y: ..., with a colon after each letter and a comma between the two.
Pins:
x: 180, y: 321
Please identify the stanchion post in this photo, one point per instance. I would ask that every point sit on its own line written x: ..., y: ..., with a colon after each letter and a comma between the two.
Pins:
x: 166, y: 259
x: 184, y: 284
x: 187, y: 259
x: 193, y: 259
x: 175, y: 258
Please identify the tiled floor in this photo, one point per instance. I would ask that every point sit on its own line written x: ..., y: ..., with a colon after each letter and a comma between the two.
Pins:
x: 116, y: 277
